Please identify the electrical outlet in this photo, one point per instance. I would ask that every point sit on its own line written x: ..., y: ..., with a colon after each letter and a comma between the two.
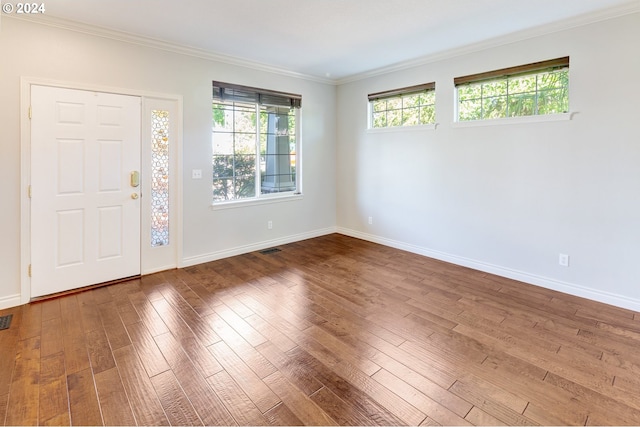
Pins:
x: 563, y: 260
x: 196, y: 174
x: 370, y: 220
x: 269, y: 225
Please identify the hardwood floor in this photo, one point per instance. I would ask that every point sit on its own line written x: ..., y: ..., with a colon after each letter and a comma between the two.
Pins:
x: 328, y: 331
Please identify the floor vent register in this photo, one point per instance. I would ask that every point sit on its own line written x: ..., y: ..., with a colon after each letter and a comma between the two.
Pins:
x: 269, y: 251
x: 5, y: 321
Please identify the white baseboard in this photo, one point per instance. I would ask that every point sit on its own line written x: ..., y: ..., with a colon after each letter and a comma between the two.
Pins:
x: 239, y: 250
x: 10, y: 301
x: 544, y: 282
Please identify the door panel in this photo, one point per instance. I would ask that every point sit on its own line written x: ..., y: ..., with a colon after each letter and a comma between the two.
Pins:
x: 85, y: 224
x: 69, y: 237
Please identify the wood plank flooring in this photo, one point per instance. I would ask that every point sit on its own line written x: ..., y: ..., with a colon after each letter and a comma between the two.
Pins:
x: 328, y: 331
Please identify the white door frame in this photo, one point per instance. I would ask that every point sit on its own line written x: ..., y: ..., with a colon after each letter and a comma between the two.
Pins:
x: 147, y: 262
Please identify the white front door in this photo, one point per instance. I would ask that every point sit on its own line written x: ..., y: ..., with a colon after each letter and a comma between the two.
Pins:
x: 85, y: 205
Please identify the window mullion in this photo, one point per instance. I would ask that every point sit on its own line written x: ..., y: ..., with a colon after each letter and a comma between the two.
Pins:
x: 482, y: 101
x: 537, y: 95
x: 234, y: 179
x: 258, y: 177
x: 508, y: 98
x: 298, y: 153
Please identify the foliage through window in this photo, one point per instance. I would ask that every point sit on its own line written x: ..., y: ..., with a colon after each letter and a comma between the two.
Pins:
x: 534, y: 89
x: 255, y: 142
x: 409, y: 106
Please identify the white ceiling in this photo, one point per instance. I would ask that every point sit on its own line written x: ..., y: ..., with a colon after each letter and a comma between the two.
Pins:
x: 326, y: 38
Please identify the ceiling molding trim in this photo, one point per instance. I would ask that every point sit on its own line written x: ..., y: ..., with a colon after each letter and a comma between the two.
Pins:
x: 149, y: 42
x: 566, y: 24
x: 578, y: 21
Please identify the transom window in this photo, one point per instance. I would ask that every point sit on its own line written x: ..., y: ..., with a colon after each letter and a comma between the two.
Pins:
x: 410, y: 106
x: 255, y: 142
x: 534, y: 89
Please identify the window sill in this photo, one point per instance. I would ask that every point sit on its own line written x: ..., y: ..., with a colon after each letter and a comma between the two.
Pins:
x: 514, y: 120
x: 403, y: 128
x: 289, y: 197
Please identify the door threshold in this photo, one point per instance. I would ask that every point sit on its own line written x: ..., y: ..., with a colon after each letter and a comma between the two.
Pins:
x: 83, y: 289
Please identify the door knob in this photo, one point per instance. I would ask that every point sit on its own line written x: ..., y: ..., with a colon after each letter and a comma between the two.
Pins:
x: 134, y: 196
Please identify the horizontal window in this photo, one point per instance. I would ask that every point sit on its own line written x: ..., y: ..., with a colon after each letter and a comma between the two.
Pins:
x: 410, y: 106
x: 539, y: 88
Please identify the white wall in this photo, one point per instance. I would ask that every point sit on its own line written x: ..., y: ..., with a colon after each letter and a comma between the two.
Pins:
x: 506, y: 199
x: 32, y: 50
x: 509, y: 198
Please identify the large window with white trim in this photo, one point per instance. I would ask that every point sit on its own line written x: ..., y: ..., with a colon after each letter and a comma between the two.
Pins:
x: 256, y: 143
x: 539, y: 88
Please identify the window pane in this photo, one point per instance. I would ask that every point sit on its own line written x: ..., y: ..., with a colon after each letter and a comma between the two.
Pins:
x: 279, y: 179
x: 394, y: 118
x: 244, y: 169
x: 470, y: 110
x: 522, y: 105
x: 292, y: 125
x: 553, y: 80
x: 394, y: 103
x: 280, y: 143
x: 409, y: 101
x: 245, y: 121
x: 428, y: 97
x: 379, y: 120
x: 553, y: 101
x: 223, y: 166
x: 495, y: 88
x: 379, y: 105
x: 494, y: 107
x: 222, y: 117
x: 222, y: 189
x: 428, y: 114
x: 244, y: 187
x: 222, y: 143
x: 522, y: 84
x: 469, y: 92
x: 264, y: 119
x: 244, y: 164
x: 411, y: 116
x: 245, y: 143
x: 263, y: 144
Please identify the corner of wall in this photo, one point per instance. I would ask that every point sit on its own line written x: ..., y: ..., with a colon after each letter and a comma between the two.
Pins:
x: 522, y: 276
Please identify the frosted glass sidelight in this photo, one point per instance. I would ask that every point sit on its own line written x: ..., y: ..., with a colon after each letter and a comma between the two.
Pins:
x: 159, y: 178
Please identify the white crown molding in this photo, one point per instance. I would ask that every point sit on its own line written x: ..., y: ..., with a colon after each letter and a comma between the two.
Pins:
x: 150, y: 42
x: 566, y: 24
x: 578, y: 21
